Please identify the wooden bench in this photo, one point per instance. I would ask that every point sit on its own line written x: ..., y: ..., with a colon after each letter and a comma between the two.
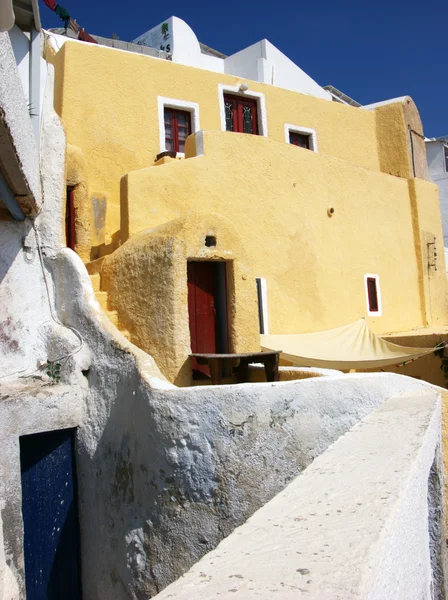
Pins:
x: 240, y: 363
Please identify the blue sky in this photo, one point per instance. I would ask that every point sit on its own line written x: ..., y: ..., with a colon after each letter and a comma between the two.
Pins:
x: 370, y: 51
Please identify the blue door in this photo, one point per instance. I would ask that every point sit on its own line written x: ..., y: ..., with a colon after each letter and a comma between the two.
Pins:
x: 50, y: 516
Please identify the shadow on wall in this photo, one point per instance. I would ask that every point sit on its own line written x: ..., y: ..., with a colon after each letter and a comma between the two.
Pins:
x: 12, y: 238
x: 181, y: 470
x: 106, y: 249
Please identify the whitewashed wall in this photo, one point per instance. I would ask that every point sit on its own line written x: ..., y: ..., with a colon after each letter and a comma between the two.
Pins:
x: 363, y: 521
x: 436, y: 162
x: 261, y: 62
x: 20, y: 42
x: 265, y: 63
x: 181, y: 42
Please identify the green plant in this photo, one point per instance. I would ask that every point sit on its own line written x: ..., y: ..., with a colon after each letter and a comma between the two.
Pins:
x: 53, y: 370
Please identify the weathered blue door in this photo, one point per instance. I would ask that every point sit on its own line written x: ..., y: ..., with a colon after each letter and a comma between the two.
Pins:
x: 50, y: 516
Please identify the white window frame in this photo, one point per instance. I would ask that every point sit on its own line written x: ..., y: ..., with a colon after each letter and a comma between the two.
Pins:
x: 303, y: 131
x: 264, y: 303
x: 235, y: 91
x: 191, y: 107
x: 379, y: 312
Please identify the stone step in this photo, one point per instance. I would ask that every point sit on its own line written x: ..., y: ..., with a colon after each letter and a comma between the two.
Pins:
x: 95, y: 266
x: 102, y: 300
x: 96, y: 282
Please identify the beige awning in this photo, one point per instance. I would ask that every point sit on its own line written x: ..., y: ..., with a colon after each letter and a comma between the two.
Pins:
x: 353, y: 346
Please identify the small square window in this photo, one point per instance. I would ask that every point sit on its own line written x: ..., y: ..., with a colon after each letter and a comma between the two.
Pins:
x: 300, y: 136
x: 300, y: 139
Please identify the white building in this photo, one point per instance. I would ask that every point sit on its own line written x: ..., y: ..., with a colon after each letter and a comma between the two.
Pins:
x: 437, y: 154
x: 261, y: 62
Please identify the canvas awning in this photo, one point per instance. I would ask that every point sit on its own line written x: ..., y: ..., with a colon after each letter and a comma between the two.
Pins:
x: 352, y: 346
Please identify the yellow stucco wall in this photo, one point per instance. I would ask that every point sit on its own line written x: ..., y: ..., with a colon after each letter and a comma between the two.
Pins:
x: 274, y: 195
x: 146, y: 281
x: 425, y: 208
x: 108, y: 102
x: 278, y: 196
x: 398, y: 123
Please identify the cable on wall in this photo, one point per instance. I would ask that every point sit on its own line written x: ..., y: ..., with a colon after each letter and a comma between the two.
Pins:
x: 53, y: 316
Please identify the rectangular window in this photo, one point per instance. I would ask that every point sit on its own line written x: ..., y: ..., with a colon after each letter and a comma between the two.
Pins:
x: 372, y: 294
x: 241, y: 114
x: 177, y: 129
x: 445, y: 148
x: 299, y: 139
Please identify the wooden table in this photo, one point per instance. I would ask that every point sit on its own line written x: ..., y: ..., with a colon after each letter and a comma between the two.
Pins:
x: 240, y: 363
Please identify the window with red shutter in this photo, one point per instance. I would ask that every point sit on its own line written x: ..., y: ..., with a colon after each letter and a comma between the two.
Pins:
x: 177, y: 129
x: 241, y: 114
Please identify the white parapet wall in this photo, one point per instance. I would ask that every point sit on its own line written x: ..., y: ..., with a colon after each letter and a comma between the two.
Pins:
x: 363, y: 521
x: 435, y: 152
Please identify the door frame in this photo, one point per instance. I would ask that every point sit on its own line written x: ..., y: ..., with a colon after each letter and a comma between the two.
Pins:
x: 223, y: 285
x: 238, y: 102
x: 234, y: 90
x: 222, y: 296
x: 71, y: 433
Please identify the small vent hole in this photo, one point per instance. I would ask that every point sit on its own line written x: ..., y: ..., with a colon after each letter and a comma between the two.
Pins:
x: 210, y: 240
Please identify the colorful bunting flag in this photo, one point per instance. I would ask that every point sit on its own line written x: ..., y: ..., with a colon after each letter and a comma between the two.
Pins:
x: 64, y: 15
x: 51, y: 4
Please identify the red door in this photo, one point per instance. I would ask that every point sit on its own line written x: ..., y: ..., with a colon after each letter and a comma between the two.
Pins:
x: 70, y: 219
x: 207, y: 309
x: 241, y: 114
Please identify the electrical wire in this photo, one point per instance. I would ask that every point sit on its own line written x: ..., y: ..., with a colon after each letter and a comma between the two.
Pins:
x: 53, y: 316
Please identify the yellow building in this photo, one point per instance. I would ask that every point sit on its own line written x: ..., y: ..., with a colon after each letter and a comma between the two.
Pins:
x: 178, y: 173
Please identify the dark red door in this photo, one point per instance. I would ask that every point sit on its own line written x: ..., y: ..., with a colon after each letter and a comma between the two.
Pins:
x: 207, y: 309
x: 70, y: 219
x: 241, y: 114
